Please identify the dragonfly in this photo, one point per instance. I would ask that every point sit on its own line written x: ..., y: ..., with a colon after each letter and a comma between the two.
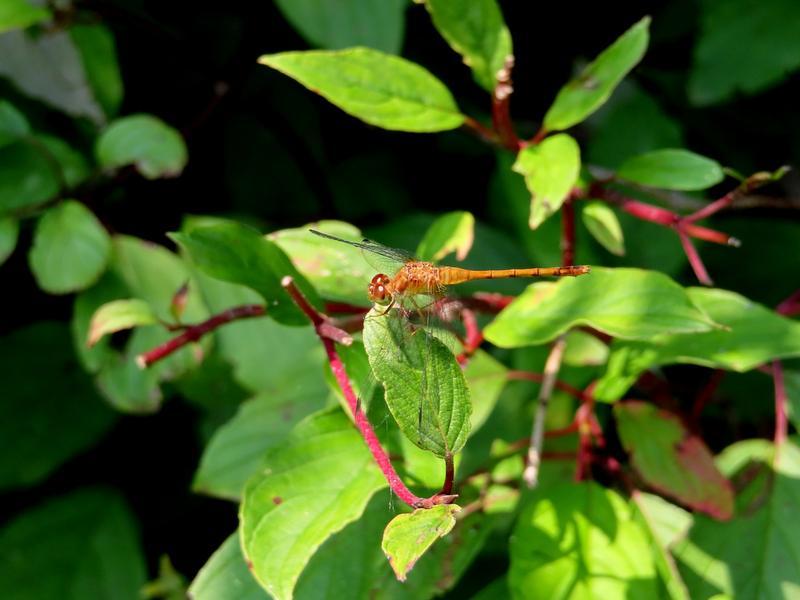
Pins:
x: 411, y: 277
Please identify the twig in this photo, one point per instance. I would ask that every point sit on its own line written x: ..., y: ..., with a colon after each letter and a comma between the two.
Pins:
x: 781, y: 400
x: 568, y: 233
x: 551, y: 368
x: 449, y: 475
x: 192, y: 333
x: 694, y: 259
x: 361, y: 421
x: 539, y: 378
x: 473, y: 335
x: 501, y: 110
x: 480, y: 131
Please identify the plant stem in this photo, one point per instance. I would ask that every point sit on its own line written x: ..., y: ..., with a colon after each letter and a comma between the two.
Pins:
x: 568, y: 233
x: 501, y: 109
x: 694, y: 259
x: 539, y: 378
x: 781, y: 400
x: 449, y: 475
x: 790, y: 306
x: 192, y: 333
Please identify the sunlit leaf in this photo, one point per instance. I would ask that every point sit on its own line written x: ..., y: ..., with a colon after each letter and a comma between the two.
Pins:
x: 592, y: 87
x: 452, y: 232
x: 380, y: 89
x: 119, y: 315
x: 584, y: 349
x: 672, y: 169
x: 144, y: 141
x: 226, y: 577
x: 18, y: 14
x: 603, y: 224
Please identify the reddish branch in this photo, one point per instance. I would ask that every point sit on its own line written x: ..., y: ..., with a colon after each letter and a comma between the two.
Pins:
x: 339, y: 372
x: 501, y: 109
x: 781, y: 400
x: 192, y: 333
x: 791, y: 306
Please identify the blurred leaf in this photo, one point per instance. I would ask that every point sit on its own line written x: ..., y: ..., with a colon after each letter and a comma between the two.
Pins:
x: 631, y: 123
x: 378, y: 24
x: 551, y: 169
x: 145, y: 141
x: 50, y: 409
x: 48, y: 67
x: 237, y: 449
x: 95, y: 44
x: 577, y: 541
x: 239, y: 254
x: 671, y: 459
x: 452, y: 232
x: 602, y: 223
x: 791, y: 382
x: 593, y: 86
x: 337, y: 271
x: 70, y: 249
x: 169, y: 585
x: 752, y: 335
x: 765, y: 564
x: 486, y: 377
x: 68, y: 163
x: 18, y: 14
x: 319, y: 480
x: 9, y: 231
x: 425, y: 388
x: 81, y: 545
x: 584, y: 349
x: 672, y: 169
x: 624, y: 303
x: 110, y: 287
x: 380, y: 89
x: 723, y: 65
x: 119, y: 315
x: 13, y: 124
x: 408, y: 536
x: 27, y: 177
x: 476, y: 30
x: 225, y: 576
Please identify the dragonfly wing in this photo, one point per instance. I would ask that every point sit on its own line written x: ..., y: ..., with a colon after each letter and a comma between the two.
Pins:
x: 381, y: 258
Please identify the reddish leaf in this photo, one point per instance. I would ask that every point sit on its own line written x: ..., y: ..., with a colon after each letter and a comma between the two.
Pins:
x: 672, y: 460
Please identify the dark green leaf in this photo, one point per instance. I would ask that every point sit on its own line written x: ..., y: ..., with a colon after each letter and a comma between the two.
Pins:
x: 27, y: 177
x: 765, y: 565
x: 18, y: 14
x: 13, y: 124
x: 425, y: 388
x: 119, y: 315
x: 378, y: 24
x: 9, y: 230
x: 672, y: 460
x: 408, y: 536
x: 476, y: 30
x: 226, y: 577
x: 672, y: 169
x: 580, y: 541
x: 792, y: 384
x: 70, y: 249
x: 380, y: 89
x: 319, y: 480
x: 82, y: 545
x: 589, y: 90
x: 69, y: 164
x: 486, y: 378
x: 723, y: 65
x: 452, y: 232
x: 152, y: 146
x: 95, y: 44
x: 47, y: 419
x: 625, y: 303
x: 603, y: 224
x: 239, y: 254
x: 551, y: 169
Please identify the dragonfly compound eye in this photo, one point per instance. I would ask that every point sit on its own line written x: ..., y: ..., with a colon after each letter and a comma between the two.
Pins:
x: 378, y: 291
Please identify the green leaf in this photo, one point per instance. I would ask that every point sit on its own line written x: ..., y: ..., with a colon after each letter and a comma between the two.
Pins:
x: 791, y: 381
x: 551, y: 169
x: 95, y: 43
x: 226, y: 577
x: 237, y: 449
x: 671, y: 459
x: 145, y: 141
x: 9, y: 231
x: 624, y: 303
x: 69, y: 164
x: 584, y: 349
x: 81, y: 545
x: 603, y: 224
x: 752, y: 335
x: 425, y: 388
x: 70, y: 249
x: 239, y: 254
x: 37, y: 404
x: 766, y: 566
x: 18, y: 14
x: 13, y: 124
x: 580, y: 541
x: 380, y: 89
x: 119, y: 315
x: 672, y: 169
x: 722, y: 66
x: 378, y: 24
x: 337, y: 271
x: 593, y: 86
x: 408, y: 536
x: 476, y: 30
x: 27, y: 177
x: 486, y: 378
x: 319, y: 480
x: 452, y: 232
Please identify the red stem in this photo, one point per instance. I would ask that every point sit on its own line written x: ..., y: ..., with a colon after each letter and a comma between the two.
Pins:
x: 790, y: 306
x: 501, y: 110
x: 480, y: 131
x: 449, y: 475
x: 192, y: 333
x: 568, y: 233
x: 539, y: 378
x: 473, y: 338
x: 706, y: 394
x: 694, y: 258
x: 781, y: 400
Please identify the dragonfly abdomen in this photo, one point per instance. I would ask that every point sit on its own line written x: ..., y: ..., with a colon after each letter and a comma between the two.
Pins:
x: 455, y: 275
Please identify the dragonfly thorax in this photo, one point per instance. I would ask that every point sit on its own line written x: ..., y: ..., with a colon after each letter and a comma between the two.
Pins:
x: 378, y: 289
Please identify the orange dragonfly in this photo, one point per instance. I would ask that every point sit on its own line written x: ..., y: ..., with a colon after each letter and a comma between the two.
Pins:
x: 413, y: 277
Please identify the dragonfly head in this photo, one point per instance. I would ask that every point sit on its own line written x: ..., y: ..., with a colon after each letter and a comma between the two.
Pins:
x: 378, y: 290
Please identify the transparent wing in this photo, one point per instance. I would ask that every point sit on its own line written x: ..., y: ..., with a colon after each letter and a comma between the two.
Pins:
x: 381, y: 258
